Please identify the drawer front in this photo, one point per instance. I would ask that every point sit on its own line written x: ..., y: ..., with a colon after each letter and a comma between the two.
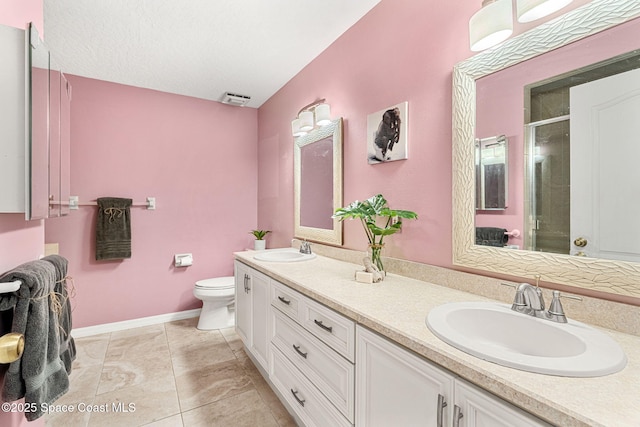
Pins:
x: 285, y: 299
x: 309, y: 404
x: 330, y: 372
x: 332, y: 328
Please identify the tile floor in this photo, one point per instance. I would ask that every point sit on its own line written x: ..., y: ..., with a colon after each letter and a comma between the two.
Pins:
x: 167, y: 375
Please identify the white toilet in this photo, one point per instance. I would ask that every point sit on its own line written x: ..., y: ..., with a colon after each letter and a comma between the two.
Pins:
x: 218, y: 302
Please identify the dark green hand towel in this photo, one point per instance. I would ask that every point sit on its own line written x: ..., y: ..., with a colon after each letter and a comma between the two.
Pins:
x: 491, y: 236
x: 113, y: 228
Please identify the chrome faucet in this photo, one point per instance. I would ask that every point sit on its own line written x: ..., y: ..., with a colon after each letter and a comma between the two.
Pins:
x: 305, y: 247
x: 529, y: 300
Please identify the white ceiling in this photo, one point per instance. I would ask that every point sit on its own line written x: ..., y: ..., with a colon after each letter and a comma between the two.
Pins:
x: 199, y: 48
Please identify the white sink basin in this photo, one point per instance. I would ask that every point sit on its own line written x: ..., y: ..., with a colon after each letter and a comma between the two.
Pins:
x: 494, y: 332
x: 283, y: 255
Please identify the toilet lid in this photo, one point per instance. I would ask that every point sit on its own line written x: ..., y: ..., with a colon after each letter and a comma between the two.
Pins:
x: 216, y: 283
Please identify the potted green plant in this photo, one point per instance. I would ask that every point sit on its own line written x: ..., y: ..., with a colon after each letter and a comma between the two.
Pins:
x: 259, y: 244
x: 378, y: 221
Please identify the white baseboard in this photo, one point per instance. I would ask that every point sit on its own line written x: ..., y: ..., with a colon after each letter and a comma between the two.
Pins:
x: 133, y: 323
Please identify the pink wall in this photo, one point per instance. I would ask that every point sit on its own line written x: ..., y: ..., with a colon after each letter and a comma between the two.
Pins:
x: 18, y: 13
x: 501, y: 96
x: 197, y: 158
x: 400, y: 51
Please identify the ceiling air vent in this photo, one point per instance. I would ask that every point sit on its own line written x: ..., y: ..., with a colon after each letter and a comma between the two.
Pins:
x: 235, y: 99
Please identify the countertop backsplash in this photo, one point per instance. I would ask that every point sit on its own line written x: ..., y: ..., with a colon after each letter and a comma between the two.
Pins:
x: 595, y: 311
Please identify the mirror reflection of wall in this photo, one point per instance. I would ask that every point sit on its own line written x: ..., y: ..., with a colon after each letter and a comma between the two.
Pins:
x: 316, y: 186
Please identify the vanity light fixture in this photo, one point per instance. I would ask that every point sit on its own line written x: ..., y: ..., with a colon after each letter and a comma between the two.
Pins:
x: 318, y: 113
x: 530, y: 10
x: 491, y: 25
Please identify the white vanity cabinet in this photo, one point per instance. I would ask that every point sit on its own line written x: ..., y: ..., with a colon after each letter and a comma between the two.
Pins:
x: 252, y: 311
x: 481, y: 409
x: 331, y: 372
x: 396, y: 387
x: 320, y: 344
x: 313, y: 350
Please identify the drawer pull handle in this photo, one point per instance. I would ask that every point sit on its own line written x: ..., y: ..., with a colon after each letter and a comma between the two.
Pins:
x: 295, y: 394
x: 319, y: 323
x: 284, y: 300
x: 297, y: 349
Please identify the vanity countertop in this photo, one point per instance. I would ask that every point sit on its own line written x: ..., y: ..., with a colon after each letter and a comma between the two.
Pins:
x: 397, y: 308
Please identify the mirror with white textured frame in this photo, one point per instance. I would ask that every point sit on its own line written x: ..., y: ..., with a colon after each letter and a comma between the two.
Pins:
x: 318, y: 184
x: 599, y: 274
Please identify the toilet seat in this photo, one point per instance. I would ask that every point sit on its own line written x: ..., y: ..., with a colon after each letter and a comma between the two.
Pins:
x: 218, y: 283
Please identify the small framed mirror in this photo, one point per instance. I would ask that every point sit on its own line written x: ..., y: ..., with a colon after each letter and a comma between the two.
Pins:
x: 318, y: 184
x: 491, y: 173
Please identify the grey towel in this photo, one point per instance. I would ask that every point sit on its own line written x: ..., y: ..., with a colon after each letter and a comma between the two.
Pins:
x: 491, y: 236
x: 39, y: 375
x: 67, y: 344
x: 113, y: 228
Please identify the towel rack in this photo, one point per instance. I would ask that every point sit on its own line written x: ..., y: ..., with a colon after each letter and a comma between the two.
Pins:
x: 7, y: 287
x: 513, y: 233
x: 73, y: 203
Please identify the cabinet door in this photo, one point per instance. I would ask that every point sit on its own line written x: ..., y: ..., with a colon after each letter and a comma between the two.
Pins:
x: 259, y: 290
x: 65, y: 144
x: 54, y: 138
x: 396, y: 388
x: 479, y: 408
x: 12, y: 120
x: 243, y: 303
x: 38, y: 136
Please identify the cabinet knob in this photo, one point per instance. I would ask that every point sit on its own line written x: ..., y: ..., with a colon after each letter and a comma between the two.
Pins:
x: 580, y: 242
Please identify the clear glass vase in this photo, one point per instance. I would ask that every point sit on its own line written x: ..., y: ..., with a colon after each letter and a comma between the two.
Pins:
x: 375, y: 253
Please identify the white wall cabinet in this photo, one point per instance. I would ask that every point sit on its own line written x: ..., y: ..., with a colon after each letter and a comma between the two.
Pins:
x: 12, y: 120
x: 252, y: 312
x: 396, y: 387
x: 34, y: 127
